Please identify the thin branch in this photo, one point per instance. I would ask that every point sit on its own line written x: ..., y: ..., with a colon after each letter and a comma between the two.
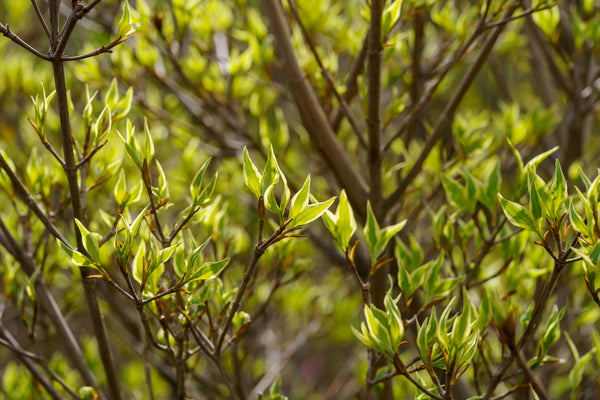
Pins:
x: 25, y: 358
x: 327, y: 75
x: 77, y: 207
x: 445, y: 118
x: 5, y: 30
x: 518, y: 16
x: 533, y: 379
x: 94, y: 53
x: 374, y: 155
x: 41, y: 18
x: 312, y: 114
x: 351, y: 84
x: 29, y: 200
x: 49, y: 304
x: 259, y: 250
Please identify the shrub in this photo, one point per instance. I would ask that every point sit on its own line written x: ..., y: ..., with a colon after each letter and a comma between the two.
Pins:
x: 164, y: 166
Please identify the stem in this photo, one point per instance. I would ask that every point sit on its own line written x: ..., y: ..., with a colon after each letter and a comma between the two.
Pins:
x: 312, y: 114
x: 76, y: 203
x: 29, y: 364
x: 374, y: 157
x: 327, y: 75
x: 49, y: 304
x: 259, y: 250
x: 5, y: 31
x: 535, y: 382
x: 446, y: 117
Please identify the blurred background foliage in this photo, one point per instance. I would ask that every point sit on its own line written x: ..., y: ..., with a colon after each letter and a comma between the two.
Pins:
x: 206, y: 76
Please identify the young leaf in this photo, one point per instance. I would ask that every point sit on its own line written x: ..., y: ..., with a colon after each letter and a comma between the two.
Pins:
x: 252, y: 176
x: 206, y: 271
x: 518, y: 215
x: 311, y: 213
x: 300, y: 199
x: 149, y: 149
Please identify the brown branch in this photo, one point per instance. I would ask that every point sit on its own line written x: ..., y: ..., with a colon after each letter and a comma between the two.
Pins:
x: 446, y: 117
x: 5, y: 30
x: 29, y: 200
x: 49, y: 304
x: 41, y: 18
x: 327, y: 75
x: 259, y: 250
x: 351, y: 84
x: 374, y: 155
x: 533, y: 379
x: 77, y: 206
x: 312, y: 114
x: 94, y: 53
x: 25, y: 358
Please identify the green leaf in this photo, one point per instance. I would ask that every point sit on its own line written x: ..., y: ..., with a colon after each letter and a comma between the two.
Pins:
x: 457, y: 194
x: 76, y: 257
x: 206, y: 271
x: 342, y: 224
x: 252, y: 176
x: 197, y: 181
x: 311, y: 213
x: 270, y: 174
x: 120, y: 190
x: 300, y: 199
x: 138, y: 266
x: 518, y: 215
x: 124, y: 105
x: 90, y: 241
x: 547, y: 20
x: 576, y: 220
x: 149, y: 149
x: 377, y: 238
x: 372, y: 232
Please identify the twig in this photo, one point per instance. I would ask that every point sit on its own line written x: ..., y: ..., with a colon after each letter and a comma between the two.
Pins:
x: 259, y: 250
x: 28, y: 199
x: 5, y: 30
x: 49, y: 304
x: 76, y: 203
x: 25, y: 358
x: 445, y: 118
x: 94, y: 53
x: 535, y: 382
x: 327, y: 75
x: 41, y: 18
x: 313, y: 116
x: 351, y: 84
x: 374, y: 156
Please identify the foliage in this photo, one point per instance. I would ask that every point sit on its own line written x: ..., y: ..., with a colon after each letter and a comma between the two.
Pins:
x: 164, y: 167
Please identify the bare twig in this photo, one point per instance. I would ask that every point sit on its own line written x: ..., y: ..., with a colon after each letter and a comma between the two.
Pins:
x: 327, y: 75
x: 41, y: 18
x: 447, y: 114
x: 5, y: 30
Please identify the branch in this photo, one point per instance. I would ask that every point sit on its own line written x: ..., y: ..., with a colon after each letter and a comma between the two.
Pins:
x: 351, y: 83
x: 94, y: 53
x: 374, y: 156
x: 445, y: 118
x: 25, y: 358
x: 28, y: 199
x: 41, y: 18
x: 5, y: 30
x: 259, y: 250
x: 312, y: 114
x: 49, y: 304
x: 77, y: 206
x: 533, y: 380
x: 327, y: 75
